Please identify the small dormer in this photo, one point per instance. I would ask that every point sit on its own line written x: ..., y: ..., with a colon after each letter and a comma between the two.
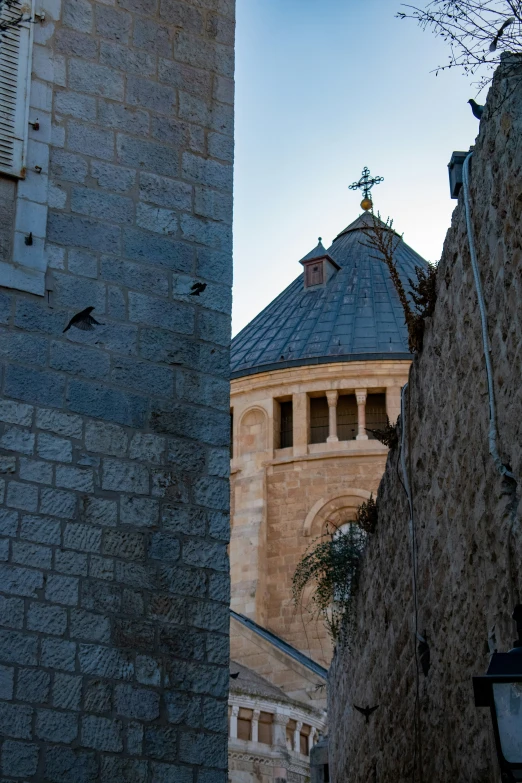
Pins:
x: 318, y: 266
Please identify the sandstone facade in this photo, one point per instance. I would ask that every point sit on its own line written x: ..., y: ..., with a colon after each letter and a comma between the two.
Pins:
x: 114, y: 442
x: 466, y: 516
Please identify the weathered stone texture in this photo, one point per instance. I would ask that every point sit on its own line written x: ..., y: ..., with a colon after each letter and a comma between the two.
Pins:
x: 467, y: 518
x: 113, y: 487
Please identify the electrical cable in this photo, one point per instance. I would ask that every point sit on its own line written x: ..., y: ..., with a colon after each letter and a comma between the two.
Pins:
x: 492, y: 434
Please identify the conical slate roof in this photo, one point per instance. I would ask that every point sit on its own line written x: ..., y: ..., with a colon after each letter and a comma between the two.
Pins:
x: 355, y: 315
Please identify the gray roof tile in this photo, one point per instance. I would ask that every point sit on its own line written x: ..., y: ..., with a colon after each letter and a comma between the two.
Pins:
x: 355, y: 315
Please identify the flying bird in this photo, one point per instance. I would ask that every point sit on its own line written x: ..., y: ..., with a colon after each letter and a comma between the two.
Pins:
x: 476, y: 108
x: 83, y: 321
x: 197, y: 289
x: 234, y: 676
x: 494, y: 43
x: 366, y: 711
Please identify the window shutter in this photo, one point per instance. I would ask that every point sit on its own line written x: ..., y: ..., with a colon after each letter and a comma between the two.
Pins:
x: 15, y: 79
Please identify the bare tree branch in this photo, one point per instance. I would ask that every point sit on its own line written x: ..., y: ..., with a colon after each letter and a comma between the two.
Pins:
x: 477, y: 31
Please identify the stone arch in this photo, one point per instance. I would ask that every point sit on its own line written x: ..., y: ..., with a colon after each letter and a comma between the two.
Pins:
x: 336, y: 510
x: 253, y: 431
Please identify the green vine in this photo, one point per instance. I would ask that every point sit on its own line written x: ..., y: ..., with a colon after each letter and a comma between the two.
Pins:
x: 388, y: 435
x: 367, y: 515
x: 331, y: 566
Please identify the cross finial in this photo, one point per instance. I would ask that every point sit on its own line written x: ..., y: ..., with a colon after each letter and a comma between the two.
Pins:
x: 320, y: 239
x: 365, y: 184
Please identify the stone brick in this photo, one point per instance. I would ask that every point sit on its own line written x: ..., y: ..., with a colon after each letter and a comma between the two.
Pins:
x: 208, y: 749
x: 78, y: 15
x: 16, y: 412
x: 205, y: 555
x: 82, y: 232
x: 22, y: 496
x: 80, y: 45
x: 83, y: 538
x: 60, y: 423
x: 125, y: 477
x: 112, y: 177
x: 164, y: 547
x: 207, y: 172
x: 58, y: 503
x: 220, y: 146
x: 11, y: 612
x: 204, y: 54
x: 96, y: 80
x: 52, y: 448
x: 148, y: 670
x: 142, y: 278
x: 183, y: 708
x: 89, y: 626
x: 68, y: 167
x: 125, y: 544
x: 17, y: 647
x: 40, y: 529
x: 19, y: 759
x: 105, y: 403
x: 56, y: 726
x: 146, y: 155
x: 6, y: 683
x: 113, y: 24
x: 34, y: 386
x: 161, y: 221
x: 26, y: 348
x: 154, y: 37
x: 143, y: 377
x: 81, y: 263
x: 161, y: 743
x: 79, y: 479
x: 97, y: 511
x: 35, y: 470
x: 67, y: 691
x: 154, y: 312
x: 151, y: 249
x: 98, y: 696
x: 163, y: 773
x: 31, y: 555
x: 101, y: 733
x: 33, y: 685
x: 147, y: 447
x: 65, y: 764
x: 105, y: 662
x: 159, y: 98
x: 17, y: 439
x: 136, y: 703
x: 62, y: 589
x: 141, y: 512
x: 57, y: 653
x: 101, y: 568
x: 165, y: 192
x: 72, y: 563
x: 100, y: 205
x: 157, y: 345
x: 124, y: 118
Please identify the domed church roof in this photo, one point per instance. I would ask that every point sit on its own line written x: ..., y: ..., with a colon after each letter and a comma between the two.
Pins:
x: 347, y: 311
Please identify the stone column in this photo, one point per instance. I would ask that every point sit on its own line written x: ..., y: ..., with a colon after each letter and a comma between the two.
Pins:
x: 255, y: 726
x: 297, y: 736
x: 301, y: 405
x: 393, y: 403
x: 332, y: 397
x: 233, y: 722
x: 361, y: 413
x: 280, y: 722
x: 313, y: 732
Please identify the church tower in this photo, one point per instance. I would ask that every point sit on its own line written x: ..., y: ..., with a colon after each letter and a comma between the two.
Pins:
x: 312, y: 375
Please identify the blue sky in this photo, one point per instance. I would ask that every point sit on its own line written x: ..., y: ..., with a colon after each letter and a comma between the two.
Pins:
x: 324, y: 88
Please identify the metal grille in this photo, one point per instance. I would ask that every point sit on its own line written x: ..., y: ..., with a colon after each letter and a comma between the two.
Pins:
x: 376, y: 417
x: 286, y: 438
x: 319, y: 428
x: 15, y: 45
x: 347, y: 426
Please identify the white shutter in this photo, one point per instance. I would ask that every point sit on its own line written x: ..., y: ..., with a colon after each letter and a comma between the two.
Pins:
x: 15, y: 82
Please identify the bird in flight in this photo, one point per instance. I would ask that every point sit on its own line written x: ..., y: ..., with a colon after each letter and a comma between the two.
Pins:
x: 83, y: 320
x: 500, y: 32
x: 234, y: 676
x: 197, y: 289
x: 366, y: 711
x: 476, y: 108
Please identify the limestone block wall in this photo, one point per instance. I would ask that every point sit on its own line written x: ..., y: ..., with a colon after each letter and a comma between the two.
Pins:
x: 114, y: 442
x: 467, y: 518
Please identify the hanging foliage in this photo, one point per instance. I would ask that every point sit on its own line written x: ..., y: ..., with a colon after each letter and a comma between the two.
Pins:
x: 367, y: 515
x: 388, y: 435
x: 331, y: 568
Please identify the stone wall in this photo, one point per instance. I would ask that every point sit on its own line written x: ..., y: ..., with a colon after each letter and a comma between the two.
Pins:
x: 467, y: 520
x: 114, y: 455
